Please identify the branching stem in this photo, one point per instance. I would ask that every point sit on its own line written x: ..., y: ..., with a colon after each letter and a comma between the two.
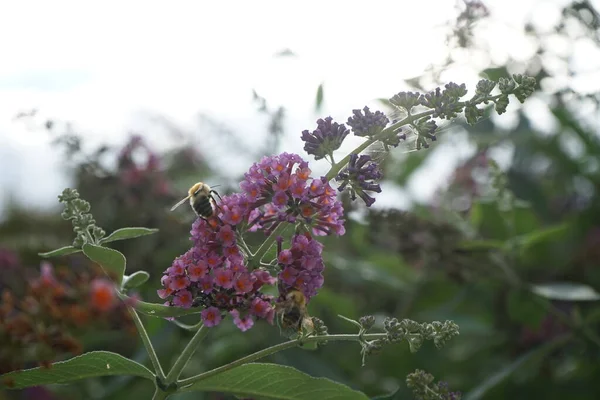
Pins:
x: 147, y: 344
x: 185, y: 355
x: 275, y: 349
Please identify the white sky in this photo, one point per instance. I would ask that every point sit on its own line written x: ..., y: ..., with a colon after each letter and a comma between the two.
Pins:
x: 104, y: 64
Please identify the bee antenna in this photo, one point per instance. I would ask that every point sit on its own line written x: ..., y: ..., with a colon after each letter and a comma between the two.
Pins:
x: 215, y: 186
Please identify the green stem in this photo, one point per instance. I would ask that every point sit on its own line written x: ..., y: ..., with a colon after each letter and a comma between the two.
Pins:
x: 185, y: 355
x: 336, y: 168
x: 147, y: 344
x: 266, y: 245
x: 160, y: 395
x: 272, y: 350
x: 89, y: 236
x: 433, y: 392
x: 243, y: 245
x: 186, y: 326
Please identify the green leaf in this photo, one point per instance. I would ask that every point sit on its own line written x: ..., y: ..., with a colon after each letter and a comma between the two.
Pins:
x: 127, y: 233
x: 542, y: 235
x: 319, y: 99
x: 566, y: 291
x: 63, y: 251
x: 88, y: 365
x: 271, y: 381
x: 134, y: 280
x: 112, y: 261
x: 158, y: 310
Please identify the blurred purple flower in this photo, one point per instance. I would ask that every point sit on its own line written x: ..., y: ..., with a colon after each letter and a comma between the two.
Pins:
x: 8, y: 259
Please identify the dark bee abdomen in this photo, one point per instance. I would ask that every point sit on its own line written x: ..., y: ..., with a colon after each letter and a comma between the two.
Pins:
x: 293, y: 317
x: 203, y: 207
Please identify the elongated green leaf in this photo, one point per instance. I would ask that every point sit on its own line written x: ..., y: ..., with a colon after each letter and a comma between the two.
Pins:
x: 159, y: 310
x: 63, y: 251
x: 566, y: 291
x: 271, y: 381
x: 110, y: 260
x: 127, y: 233
x: 134, y: 280
x: 319, y: 99
x: 88, y: 365
x: 543, y: 235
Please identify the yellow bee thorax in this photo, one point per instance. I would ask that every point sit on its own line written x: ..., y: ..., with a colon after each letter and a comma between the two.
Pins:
x: 296, y: 297
x: 199, y: 189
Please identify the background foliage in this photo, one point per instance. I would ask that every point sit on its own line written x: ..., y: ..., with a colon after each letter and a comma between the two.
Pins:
x: 512, y: 256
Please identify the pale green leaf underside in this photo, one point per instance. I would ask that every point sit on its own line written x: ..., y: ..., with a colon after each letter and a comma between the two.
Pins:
x: 88, y: 365
x: 127, y: 233
x: 272, y: 381
x: 135, y: 280
x: 566, y: 291
x: 63, y: 251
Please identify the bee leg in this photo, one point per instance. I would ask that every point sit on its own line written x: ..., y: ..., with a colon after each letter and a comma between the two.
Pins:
x: 213, y: 199
x: 217, y: 193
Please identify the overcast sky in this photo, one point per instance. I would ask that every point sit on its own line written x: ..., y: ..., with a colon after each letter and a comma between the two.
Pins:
x: 107, y: 65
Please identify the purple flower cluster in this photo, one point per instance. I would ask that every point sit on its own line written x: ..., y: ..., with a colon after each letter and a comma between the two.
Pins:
x: 279, y: 188
x: 359, y: 176
x: 215, y: 273
x: 369, y: 123
x: 301, y: 265
x: 324, y: 140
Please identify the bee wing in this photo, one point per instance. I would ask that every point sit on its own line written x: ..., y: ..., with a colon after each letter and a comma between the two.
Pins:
x: 180, y: 202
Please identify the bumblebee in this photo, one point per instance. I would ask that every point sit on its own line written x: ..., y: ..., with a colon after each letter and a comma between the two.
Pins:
x: 292, y: 315
x: 200, y: 196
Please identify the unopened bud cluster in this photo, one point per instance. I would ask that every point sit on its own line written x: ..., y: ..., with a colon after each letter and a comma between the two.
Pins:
x: 320, y: 329
x: 78, y: 211
x: 415, y: 333
x: 423, y: 387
